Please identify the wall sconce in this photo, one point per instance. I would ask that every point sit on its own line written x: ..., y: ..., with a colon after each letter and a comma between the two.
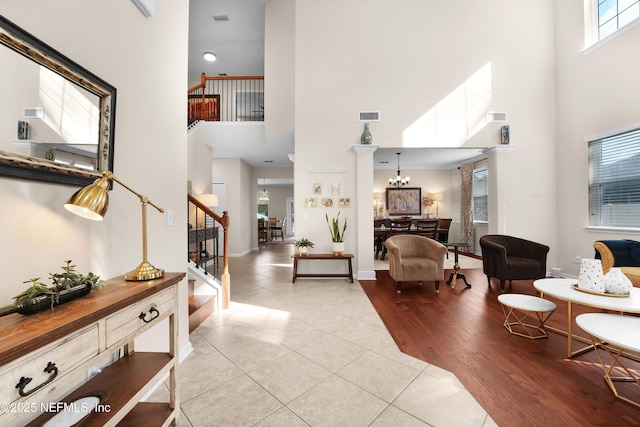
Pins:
x: 92, y: 201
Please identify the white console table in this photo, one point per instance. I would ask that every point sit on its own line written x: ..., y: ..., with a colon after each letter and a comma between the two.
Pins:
x: 45, y: 357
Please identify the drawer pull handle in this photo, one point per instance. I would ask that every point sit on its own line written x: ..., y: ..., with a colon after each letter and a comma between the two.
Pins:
x: 154, y: 313
x: 24, y: 381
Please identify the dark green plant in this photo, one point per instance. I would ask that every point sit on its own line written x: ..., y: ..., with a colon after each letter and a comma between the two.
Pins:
x: 61, y: 281
x: 36, y: 289
x: 334, y: 228
x: 303, y: 243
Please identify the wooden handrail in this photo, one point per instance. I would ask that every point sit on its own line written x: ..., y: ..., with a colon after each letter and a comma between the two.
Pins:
x: 224, y: 223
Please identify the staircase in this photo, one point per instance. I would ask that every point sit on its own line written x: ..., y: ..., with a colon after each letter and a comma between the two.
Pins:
x: 204, y: 295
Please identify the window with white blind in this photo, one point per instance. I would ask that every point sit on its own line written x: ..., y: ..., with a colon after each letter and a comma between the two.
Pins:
x: 615, y: 14
x: 480, y: 195
x: 614, y: 180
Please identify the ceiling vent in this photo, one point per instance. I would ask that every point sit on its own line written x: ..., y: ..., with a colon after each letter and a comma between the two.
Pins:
x: 220, y: 17
x: 147, y: 7
x: 33, y: 113
x: 495, y: 116
x: 368, y: 116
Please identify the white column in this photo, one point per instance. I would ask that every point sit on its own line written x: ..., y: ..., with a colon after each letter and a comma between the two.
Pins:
x: 364, y: 202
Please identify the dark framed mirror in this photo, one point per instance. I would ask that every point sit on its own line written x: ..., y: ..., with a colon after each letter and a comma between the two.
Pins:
x: 58, y: 119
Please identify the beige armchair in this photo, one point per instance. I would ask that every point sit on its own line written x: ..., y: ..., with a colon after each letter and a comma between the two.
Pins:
x: 415, y: 258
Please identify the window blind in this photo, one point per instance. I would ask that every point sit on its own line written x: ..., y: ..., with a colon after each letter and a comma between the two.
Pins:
x: 614, y: 180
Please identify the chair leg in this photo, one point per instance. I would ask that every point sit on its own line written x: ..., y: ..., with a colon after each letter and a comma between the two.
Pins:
x: 488, y: 280
x: 420, y: 283
x: 398, y: 288
x: 437, y: 286
x: 502, y: 284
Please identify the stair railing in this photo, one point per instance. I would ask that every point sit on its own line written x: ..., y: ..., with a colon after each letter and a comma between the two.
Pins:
x: 200, y: 231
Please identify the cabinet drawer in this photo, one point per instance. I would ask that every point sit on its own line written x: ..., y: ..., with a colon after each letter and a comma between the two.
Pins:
x: 65, y: 354
x: 129, y: 320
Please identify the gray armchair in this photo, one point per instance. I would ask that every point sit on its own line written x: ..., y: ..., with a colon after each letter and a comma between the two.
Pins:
x: 415, y: 258
x: 512, y: 258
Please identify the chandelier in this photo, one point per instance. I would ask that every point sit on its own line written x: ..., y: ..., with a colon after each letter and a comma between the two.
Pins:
x: 398, y: 181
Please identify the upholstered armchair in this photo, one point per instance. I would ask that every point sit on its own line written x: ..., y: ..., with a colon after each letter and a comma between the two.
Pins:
x: 624, y: 254
x: 512, y: 258
x: 414, y: 258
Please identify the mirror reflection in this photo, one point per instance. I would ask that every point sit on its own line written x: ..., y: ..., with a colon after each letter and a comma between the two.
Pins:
x: 56, y: 118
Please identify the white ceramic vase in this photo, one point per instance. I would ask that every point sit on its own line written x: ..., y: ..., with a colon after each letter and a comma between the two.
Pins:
x: 338, y: 248
x: 591, y: 277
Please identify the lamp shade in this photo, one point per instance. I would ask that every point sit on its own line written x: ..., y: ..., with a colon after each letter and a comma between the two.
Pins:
x: 90, y: 202
x: 209, y: 200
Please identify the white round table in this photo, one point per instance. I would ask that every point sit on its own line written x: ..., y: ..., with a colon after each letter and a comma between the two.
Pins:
x: 518, y: 307
x: 563, y: 289
x: 615, y: 334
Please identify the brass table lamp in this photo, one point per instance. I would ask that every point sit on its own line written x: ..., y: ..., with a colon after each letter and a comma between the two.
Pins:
x: 92, y: 201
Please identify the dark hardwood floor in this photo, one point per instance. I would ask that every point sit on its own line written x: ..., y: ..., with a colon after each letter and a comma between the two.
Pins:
x: 519, y: 382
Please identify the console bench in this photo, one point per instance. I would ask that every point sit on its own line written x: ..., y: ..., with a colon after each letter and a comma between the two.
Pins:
x: 320, y: 257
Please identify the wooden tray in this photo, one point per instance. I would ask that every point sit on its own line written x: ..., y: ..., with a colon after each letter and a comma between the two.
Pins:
x: 577, y: 288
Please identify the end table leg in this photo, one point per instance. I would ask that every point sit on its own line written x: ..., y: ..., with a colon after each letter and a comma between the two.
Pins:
x: 350, y: 270
x: 295, y: 270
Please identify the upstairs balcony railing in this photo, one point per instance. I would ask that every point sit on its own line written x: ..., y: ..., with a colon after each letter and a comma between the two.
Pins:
x: 227, y: 99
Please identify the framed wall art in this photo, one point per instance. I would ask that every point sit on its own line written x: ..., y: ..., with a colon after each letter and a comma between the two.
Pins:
x: 404, y: 201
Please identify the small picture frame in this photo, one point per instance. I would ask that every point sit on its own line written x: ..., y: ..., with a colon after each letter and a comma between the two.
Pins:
x: 317, y: 188
x: 311, y: 202
x: 327, y: 202
x: 344, y: 202
x: 335, y: 188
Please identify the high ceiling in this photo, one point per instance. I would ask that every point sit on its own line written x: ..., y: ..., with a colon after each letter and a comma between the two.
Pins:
x: 234, y: 31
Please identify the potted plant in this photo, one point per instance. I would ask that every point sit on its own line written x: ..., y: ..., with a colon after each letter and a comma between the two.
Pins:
x: 337, y: 235
x: 303, y: 246
x: 67, y: 286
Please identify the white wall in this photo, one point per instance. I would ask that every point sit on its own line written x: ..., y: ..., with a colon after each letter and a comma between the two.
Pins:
x: 240, y: 202
x: 146, y: 60
x: 598, y: 91
x: 432, y: 69
x: 279, y: 68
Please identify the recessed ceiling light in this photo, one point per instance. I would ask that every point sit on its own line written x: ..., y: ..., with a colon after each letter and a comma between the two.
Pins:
x: 209, y: 56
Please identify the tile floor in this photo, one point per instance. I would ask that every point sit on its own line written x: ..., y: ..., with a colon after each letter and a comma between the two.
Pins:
x: 313, y: 353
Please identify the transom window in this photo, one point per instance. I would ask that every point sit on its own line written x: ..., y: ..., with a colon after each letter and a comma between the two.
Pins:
x: 614, y: 180
x: 615, y: 14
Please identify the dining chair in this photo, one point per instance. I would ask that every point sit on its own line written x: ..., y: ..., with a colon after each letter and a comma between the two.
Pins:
x: 262, y: 231
x: 427, y: 228
x: 379, y: 236
x: 442, y: 233
x: 278, y: 228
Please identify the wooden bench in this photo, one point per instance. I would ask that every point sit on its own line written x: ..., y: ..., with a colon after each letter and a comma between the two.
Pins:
x: 326, y: 257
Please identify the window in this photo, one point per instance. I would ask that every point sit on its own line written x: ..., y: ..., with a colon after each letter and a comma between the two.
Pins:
x: 480, y: 195
x: 263, y: 204
x: 615, y: 14
x: 614, y: 180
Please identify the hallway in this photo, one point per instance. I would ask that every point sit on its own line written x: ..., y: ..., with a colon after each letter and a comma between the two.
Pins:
x: 310, y: 353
